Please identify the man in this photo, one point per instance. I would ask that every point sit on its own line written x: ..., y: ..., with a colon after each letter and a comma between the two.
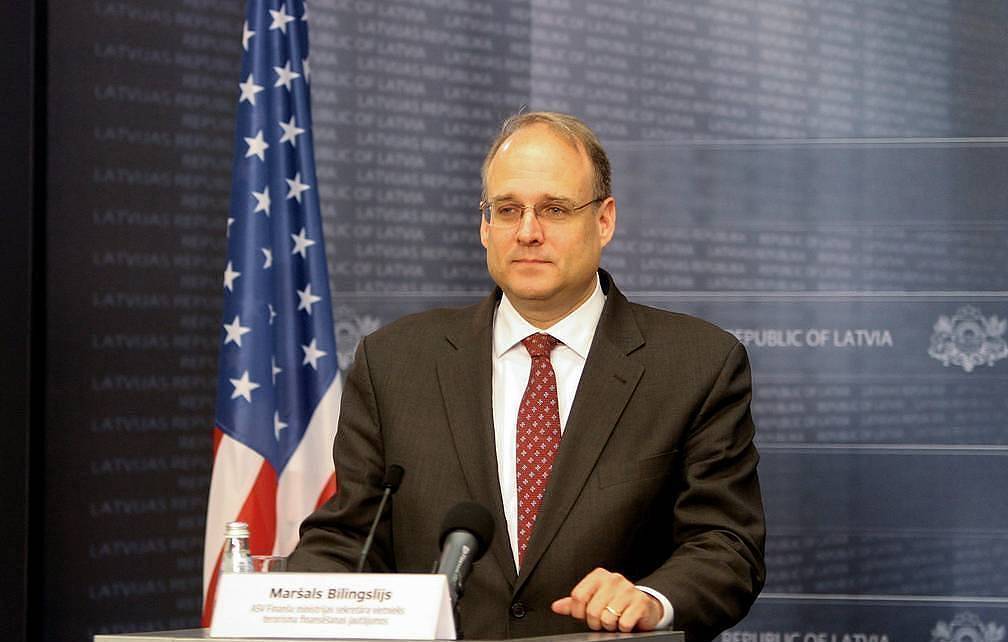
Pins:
x: 612, y: 442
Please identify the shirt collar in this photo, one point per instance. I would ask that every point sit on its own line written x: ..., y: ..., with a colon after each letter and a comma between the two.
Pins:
x: 576, y: 330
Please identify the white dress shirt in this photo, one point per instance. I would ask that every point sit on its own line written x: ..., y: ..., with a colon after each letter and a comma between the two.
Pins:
x: 511, y: 367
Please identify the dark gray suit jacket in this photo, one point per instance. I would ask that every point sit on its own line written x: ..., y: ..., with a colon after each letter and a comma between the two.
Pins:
x: 655, y: 477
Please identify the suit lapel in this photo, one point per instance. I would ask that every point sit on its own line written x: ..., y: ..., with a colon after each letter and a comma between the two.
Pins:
x: 464, y: 374
x: 607, y: 383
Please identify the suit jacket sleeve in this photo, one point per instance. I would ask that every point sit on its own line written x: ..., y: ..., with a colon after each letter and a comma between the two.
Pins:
x: 716, y: 568
x: 332, y: 537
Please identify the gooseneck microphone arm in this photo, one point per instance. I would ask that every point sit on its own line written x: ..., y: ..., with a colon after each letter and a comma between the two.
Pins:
x: 393, y: 477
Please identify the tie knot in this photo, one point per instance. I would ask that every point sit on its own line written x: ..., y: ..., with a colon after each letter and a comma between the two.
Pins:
x: 540, y: 344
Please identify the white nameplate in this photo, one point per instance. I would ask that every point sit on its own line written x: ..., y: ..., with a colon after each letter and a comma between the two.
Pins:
x: 333, y: 605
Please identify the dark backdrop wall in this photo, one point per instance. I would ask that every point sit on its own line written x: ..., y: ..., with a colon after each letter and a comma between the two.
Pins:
x: 827, y: 180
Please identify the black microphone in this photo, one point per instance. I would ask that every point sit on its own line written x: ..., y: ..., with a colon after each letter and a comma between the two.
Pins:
x: 393, y: 477
x: 466, y: 533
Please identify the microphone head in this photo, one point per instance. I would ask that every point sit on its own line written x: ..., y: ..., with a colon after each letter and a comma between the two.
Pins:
x: 472, y: 518
x: 393, y: 477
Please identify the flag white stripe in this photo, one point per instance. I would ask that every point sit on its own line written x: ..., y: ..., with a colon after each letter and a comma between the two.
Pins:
x: 307, y: 471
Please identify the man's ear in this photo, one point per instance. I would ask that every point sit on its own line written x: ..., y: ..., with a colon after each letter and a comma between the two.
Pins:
x: 606, y: 219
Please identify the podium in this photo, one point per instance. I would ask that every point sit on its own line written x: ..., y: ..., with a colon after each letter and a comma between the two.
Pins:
x: 188, y: 635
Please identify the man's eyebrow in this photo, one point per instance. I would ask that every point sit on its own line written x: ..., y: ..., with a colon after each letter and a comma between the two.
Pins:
x: 544, y: 198
x: 503, y: 197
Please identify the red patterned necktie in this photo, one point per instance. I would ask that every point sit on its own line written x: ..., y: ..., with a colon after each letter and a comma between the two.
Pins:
x: 538, y: 435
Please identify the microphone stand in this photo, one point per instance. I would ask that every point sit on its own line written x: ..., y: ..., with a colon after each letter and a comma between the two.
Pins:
x: 391, y: 484
x: 374, y: 526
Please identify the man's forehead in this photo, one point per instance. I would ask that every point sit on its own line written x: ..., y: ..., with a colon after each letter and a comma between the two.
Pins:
x: 537, y: 151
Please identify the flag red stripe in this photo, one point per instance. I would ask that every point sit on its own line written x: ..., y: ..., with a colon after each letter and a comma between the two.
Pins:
x: 330, y: 489
x: 218, y: 434
x: 259, y: 511
x: 208, y: 603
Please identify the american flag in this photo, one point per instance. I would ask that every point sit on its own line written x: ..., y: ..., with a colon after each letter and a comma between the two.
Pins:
x: 279, y: 389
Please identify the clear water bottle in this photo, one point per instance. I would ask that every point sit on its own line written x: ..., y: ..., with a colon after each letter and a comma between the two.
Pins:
x: 236, y: 558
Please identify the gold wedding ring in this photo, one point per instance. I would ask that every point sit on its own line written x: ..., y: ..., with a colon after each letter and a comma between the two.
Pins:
x: 614, y: 611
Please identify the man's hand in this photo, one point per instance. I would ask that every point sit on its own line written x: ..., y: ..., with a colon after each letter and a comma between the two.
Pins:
x: 610, y: 601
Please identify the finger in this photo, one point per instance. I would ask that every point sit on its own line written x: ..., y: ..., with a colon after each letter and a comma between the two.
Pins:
x: 577, y: 608
x: 611, y: 617
x: 584, y: 590
x: 642, y: 614
x: 615, y: 612
x: 594, y: 623
x: 569, y: 606
x: 562, y: 606
x: 606, y: 594
x: 631, y: 616
x: 584, y: 593
x: 595, y: 613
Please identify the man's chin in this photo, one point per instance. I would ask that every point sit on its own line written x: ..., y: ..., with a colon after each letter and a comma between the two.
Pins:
x: 531, y: 292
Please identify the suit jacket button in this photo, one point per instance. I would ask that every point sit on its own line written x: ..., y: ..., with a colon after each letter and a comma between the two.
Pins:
x: 518, y: 610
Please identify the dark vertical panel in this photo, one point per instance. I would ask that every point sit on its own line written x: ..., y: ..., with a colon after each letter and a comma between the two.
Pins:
x: 17, y: 66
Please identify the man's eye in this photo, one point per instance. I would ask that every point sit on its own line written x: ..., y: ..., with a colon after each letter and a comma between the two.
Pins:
x: 556, y: 211
x: 508, y: 211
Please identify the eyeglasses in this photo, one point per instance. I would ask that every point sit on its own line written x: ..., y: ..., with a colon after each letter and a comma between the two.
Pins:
x: 507, y: 214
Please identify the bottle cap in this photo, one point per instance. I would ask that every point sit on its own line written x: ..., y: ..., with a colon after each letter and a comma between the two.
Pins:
x: 236, y: 529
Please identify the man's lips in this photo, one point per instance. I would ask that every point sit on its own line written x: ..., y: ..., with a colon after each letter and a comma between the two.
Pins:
x: 531, y: 261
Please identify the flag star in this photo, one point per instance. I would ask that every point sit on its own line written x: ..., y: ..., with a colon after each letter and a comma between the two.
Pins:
x: 272, y: 312
x: 275, y: 369
x: 285, y: 76
x: 277, y: 425
x: 301, y: 243
x: 235, y: 330
x: 290, y: 131
x: 243, y: 387
x: 227, y: 233
x: 268, y: 253
x: 249, y: 90
x: 296, y: 187
x: 247, y: 34
x: 307, y: 299
x: 229, y: 277
x: 280, y: 19
x: 257, y: 146
x: 304, y: 16
x: 262, y: 200
x: 306, y: 68
x: 312, y: 354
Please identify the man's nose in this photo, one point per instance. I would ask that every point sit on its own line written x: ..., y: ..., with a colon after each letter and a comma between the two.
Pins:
x: 529, y: 227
